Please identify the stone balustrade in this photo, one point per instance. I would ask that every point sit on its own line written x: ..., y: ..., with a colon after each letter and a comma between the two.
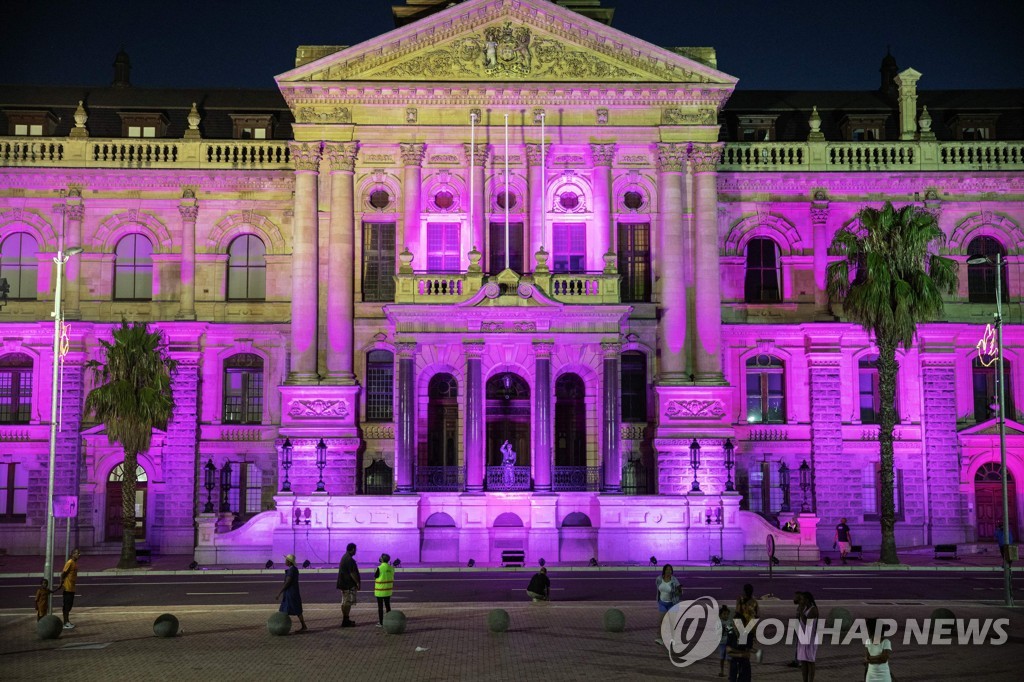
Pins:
x: 453, y: 287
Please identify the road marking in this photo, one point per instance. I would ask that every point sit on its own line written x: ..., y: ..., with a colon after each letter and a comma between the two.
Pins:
x: 847, y: 588
x: 197, y: 594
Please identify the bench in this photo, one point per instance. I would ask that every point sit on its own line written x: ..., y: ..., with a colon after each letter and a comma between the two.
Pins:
x: 513, y: 557
x: 144, y: 556
x: 946, y: 552
x: 856, y: 552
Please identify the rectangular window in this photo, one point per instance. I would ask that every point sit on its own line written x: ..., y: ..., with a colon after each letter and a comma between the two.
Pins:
x: 21, y: 129
x: 569, y: 247
x: 496, y: 247
x: 15, y: 395
x: 870, y: 410
x: 380, y: 377
x: 986, y: 391
x: 243, y: 396
x: 378, y: 261
x: 246, y: 493
x: 13, y: 492
x: 633, y: 371
x: 871, y: 492
x: 443, y: 247
x: 635, y: 262
x: 763, y: 487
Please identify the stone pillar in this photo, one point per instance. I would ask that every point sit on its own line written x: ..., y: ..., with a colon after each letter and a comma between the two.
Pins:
x: 542, y: 451
x: 479, y: 211
x: 832, y: 476
x: 474, y: 416
x: 74, y: 213
x: 340, y: 257
x: 707, y: 267
x: 305, y: 260
x: 538, y: 228
x: 672, y: 298
x: 611, y: 419
x: 176, y: 507
x: 189, y: 210
x: 906, y: 81
x: 409, y: 236
x: 602, y: 155
x: 405, y: 420
x: 819, y: 223
x: 943, y: 504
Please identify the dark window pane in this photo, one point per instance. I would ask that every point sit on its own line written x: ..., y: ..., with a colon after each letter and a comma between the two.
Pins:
x: 378, y: 261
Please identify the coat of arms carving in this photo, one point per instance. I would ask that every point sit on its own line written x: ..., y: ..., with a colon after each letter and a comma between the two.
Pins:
x: 507, y: 50
x: 694, y: 409
x: 306, y: 409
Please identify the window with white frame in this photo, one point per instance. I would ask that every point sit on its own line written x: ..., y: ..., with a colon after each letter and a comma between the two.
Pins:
x: 13, y: 492
x: 443, y: 247
x: 19, y: 265
x: 569, y: 250
x: 133, y: 269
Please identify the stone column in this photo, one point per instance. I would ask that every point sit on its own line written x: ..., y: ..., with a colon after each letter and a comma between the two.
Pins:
x: 542, y: 451
x: 340, y: 257
x: 305, y: 259
x: 942, y: 498
x: 405, y: 420
x: 189, y: 210
x: 819, y: 223
x: 474, y: 416
x: 409, y: 236
x: 906, y: 81
x: 611, y: 419
x: 538, y: 229
x: 672, y: 299
x: 707, y: 267
x: 74, y: 213
x: 478, y: 230
x: 832, y: 476
x: 602, y: 155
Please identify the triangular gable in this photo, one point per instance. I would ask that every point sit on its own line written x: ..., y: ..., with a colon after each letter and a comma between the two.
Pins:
x: 507, y: 40
x: 991, y: 428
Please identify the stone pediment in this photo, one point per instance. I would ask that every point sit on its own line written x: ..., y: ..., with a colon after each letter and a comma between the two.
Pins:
x: 507, y: 40
x: 991, y: 428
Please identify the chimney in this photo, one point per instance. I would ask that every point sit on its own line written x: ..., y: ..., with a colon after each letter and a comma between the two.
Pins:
x: 907, y: 83
x: 888, y: 70
x: 122, y: 70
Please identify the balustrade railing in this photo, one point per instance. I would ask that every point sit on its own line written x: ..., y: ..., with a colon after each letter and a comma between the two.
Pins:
x: 575, y: 285
x: 578, y: 478
x: 84, y: 152
x: 440, y: 479
x: 451, y: 286
x: 507, y: 478
x: 21, y: 151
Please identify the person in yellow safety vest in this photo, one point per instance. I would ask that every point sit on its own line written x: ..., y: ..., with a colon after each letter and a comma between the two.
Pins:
x: 383, y: 586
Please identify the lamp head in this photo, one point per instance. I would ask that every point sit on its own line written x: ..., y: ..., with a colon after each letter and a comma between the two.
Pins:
x: 74, y: 251
x: 978, y: 260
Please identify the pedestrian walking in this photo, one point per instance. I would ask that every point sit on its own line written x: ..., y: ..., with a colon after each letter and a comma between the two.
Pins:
x: 291, y: 600
x: 725, y: 616
x: 539, y: 588
x: 670, y: 592
x: 383, y: 587
x: 843, y: 539
x: 68, y: 581
x: 746, y: 602
x: 348, y: 583
x: 1004, y: 538
x: 807, y: 645
x: 43, y: 599
x: 877, y: 652
x: 740, y: 652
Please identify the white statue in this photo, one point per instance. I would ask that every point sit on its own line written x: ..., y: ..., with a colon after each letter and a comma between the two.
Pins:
x: 508, y: 455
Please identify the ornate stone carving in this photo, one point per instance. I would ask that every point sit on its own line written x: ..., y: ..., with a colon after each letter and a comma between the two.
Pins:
x: 694, y: 409
x: 75, y: 211
x: 406, y: 350
x: 533, y: 153
x: 412, y: 153
x: 538, y: 116
x: 80, y: 119
x: 632, y: 431
x: 602, y: 117
x: 768, y: 434
x: 671, y: 158
x: 378, y: 431
x: 305, y: 155
x: 380, y: 158
x: 516, y: 327
x: 443, y: 158
x: 313, y: 409
x: 335, y: 115
x: 706, y: 157
x: 819, y: 213
x: 411, y: 115
x: 474, y: 350
x: 542, y: 349
x: 676, y: 117
x: 611, y: 349
x: 341, y: 155
x: 189, y: 212
x: 479, y: 154
x: 603, y: 154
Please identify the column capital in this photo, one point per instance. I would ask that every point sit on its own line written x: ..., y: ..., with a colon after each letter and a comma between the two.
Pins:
x: 671, y: 157
x: 189, y: 210
x: 706, y: 157
x: 611, y: 349
x: 479, y: 154
x: 533, y: 153
x: 341, y: 155
x: 412, y: 153
x: 75, y: 211
x: 474, y: 349
x: 602, y: 153
x: 305, y: 155
x: 819, y: 212
x: 543, y: 348
x: 406, y: 350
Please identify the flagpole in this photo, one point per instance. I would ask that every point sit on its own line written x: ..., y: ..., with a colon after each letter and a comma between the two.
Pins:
x: 543, y: 184
x: 507, y: 197
x: 472, y: 173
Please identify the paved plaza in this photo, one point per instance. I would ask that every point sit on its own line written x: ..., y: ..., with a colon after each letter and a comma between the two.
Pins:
x: 556, y: 641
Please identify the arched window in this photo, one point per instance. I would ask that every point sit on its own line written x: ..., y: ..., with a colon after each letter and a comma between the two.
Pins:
x: 633, y: 386
x: 766, y: 390
x: 380, y: 385
x: 442, y: 420
x: 570, y: 421
x: 762, y: 283
x: 986, y: 389
x: 15, y: 388
x: 19, y: 265
x: 243, y: 389
x: 133, y: 269
x: 981, y: 278
x: 247, y: 269
x: 869, y: 397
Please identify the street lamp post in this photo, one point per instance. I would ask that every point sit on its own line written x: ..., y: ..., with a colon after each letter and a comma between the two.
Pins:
x: 695, y: 464
x: 1000, y: 376
x: 60, y: 259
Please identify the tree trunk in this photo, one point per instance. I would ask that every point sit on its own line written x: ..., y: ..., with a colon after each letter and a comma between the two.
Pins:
x: 131, y: 462
x: 887, y: 422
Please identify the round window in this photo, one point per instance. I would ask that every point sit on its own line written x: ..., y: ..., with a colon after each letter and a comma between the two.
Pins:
x: 569, y: 200
x: 633, y: 200
x: 379, y: 198
x: 443, y: 200
x: 501, y: 200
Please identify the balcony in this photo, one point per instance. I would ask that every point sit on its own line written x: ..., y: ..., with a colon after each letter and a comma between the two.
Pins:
x: 577, y: 479
x: 507, y: 478
x: 66, y: 152
x: 440, y: 479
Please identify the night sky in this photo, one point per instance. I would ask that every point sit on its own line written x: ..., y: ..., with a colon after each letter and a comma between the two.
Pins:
x: 799, y: 44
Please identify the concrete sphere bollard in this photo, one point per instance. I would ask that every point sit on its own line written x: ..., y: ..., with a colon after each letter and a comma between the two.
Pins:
x: 394, y: 622
x: 49, y: 627
x: 614, y: 620
x: 497, y: 620
x: 279, y: 624
x: 842, y: 615
x: 942, y: 614
x: 165, y: 625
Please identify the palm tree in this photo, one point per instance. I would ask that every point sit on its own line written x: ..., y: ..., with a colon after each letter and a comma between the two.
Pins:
x: 132, y: 397
x: 889, y: 280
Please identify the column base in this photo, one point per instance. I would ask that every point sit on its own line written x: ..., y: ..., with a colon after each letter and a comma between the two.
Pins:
x: 302, y: 379
x: 186, y: 316
x: 674, y: 379
x: 340, y: 379
x: 710, y: 379
x: 474, y: 490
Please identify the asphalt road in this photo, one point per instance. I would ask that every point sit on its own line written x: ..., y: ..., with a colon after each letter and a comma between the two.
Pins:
x: 481, y: 587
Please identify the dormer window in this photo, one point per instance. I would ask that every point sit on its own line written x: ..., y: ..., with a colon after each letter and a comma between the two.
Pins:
x: 31, y: 122
x: 143, y: 124
x: 253, y: 127
x: 756, y: 128
x: 864, y: 128
x: 974, y: 126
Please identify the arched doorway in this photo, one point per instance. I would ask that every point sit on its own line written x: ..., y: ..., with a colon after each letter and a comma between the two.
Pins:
x: 442, y: 421
x: 570, y: 422
x: 508, y: 417
x: 988, y: 500
x: 114, y: 516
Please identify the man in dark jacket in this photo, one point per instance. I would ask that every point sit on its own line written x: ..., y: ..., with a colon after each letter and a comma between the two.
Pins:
x: 348, y: 583
x: 539, y: 588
